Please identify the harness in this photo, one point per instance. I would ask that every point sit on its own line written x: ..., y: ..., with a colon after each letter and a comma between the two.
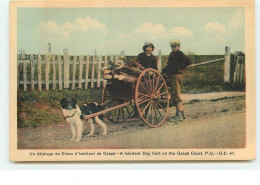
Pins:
x: 71, y: 115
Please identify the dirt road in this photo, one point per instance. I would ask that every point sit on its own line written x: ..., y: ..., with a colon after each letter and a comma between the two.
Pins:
x: 215, y: 121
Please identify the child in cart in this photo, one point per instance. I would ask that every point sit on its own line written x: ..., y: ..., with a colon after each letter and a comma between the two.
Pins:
x: 147, y: 60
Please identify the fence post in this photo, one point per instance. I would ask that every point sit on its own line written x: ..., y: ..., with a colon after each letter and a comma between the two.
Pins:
x: 105, y: 64
x: 39, y: 72
x: 93, y: 72
x: 47, y: 71
x: 159, y: 60
x: 80, y: 71
x: 24, y: 76
x: 98, y: 72
x: 66, y: 69
x: 111, y: 57
x: 227, y: 65
x: 74, y: 72
x: 32, y: 71
x: 242, y: 72
x: 54, y: 71
x: 239, y: 61
x: 60, y: 72
x: 235, y: 72
x: 86, y: 75
x: 18, y: 67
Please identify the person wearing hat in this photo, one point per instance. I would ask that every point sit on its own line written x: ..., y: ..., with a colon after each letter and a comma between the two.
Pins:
x: 177, y: 61
x: 146, y: 58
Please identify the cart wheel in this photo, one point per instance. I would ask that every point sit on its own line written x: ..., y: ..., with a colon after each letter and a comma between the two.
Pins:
x: 152, y: 97
x: 119, y: 115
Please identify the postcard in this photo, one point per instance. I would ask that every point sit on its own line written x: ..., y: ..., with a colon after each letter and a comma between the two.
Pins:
x: 132, y: 80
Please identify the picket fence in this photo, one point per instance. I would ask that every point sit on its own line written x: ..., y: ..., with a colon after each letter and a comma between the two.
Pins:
x: 44, y: 72
x: 56, y: 71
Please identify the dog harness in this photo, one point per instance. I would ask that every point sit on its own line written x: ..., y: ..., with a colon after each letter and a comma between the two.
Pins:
x: 71, y: 115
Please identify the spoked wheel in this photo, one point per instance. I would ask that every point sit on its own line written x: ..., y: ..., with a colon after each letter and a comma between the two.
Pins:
x: 152, y: 97
x: 119, y: 115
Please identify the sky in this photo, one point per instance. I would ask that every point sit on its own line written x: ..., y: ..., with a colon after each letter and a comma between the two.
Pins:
x: 108, y: 31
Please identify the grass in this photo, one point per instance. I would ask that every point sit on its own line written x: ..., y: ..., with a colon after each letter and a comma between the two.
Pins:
x: 204, y: 78
x: 39, y: 108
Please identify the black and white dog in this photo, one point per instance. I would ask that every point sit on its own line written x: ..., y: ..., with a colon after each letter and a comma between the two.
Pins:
x: 74, y: 115
x: 87, y: 109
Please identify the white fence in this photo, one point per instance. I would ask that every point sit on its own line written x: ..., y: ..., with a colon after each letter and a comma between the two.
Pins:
x: 56, y: 71
x: 62, y: 71
x: 59, y: 72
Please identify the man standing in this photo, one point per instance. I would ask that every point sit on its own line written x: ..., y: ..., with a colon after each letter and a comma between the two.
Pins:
x: 177, y: 61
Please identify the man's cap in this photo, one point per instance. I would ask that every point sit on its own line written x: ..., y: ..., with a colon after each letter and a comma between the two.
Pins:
x: 175, y: 42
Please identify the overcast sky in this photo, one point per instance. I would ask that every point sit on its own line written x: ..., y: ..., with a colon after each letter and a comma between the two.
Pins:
x: 111, y: 30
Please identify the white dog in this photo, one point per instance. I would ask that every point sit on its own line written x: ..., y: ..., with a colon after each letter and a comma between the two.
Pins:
x: 75, y: 117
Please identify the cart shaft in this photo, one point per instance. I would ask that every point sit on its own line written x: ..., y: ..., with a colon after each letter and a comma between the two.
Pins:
x: 107, y: 110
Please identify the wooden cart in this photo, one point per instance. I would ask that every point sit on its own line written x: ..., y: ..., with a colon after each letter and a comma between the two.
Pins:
x: 149, y: 94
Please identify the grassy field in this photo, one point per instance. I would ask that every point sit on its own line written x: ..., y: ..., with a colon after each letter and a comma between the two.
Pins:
x: 204, y: 78
x: 39, y: 108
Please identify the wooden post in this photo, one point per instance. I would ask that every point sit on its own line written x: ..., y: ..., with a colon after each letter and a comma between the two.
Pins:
x: 86, y: 75
x: 159, y: 64
x: 227, y: 65
x: 111, y: 58
x: 93, y: 72
x: 66, y: 69
x: 24, y: 76
x: 241, y: 60
x: 122, y: 55
x: 243, y: 70
x: 98, y: 72
x: 60, y: 72
x: 39, y: 72
x: 74, y: 72
x: 242, y: 73
x: 239, y: 71
x: 47, y: 72
x: 18, y: 80
x: 80, y: 71
x: 105, y: 64
x: 236, y: 68
x: 235, y: 72
x: 32, y: 71
x: 54, y: 72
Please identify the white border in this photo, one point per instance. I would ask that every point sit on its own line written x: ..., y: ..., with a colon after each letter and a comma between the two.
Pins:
x: 4, y: 131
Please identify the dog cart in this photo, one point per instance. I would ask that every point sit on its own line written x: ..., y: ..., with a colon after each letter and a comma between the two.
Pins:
x: 131, y: 90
